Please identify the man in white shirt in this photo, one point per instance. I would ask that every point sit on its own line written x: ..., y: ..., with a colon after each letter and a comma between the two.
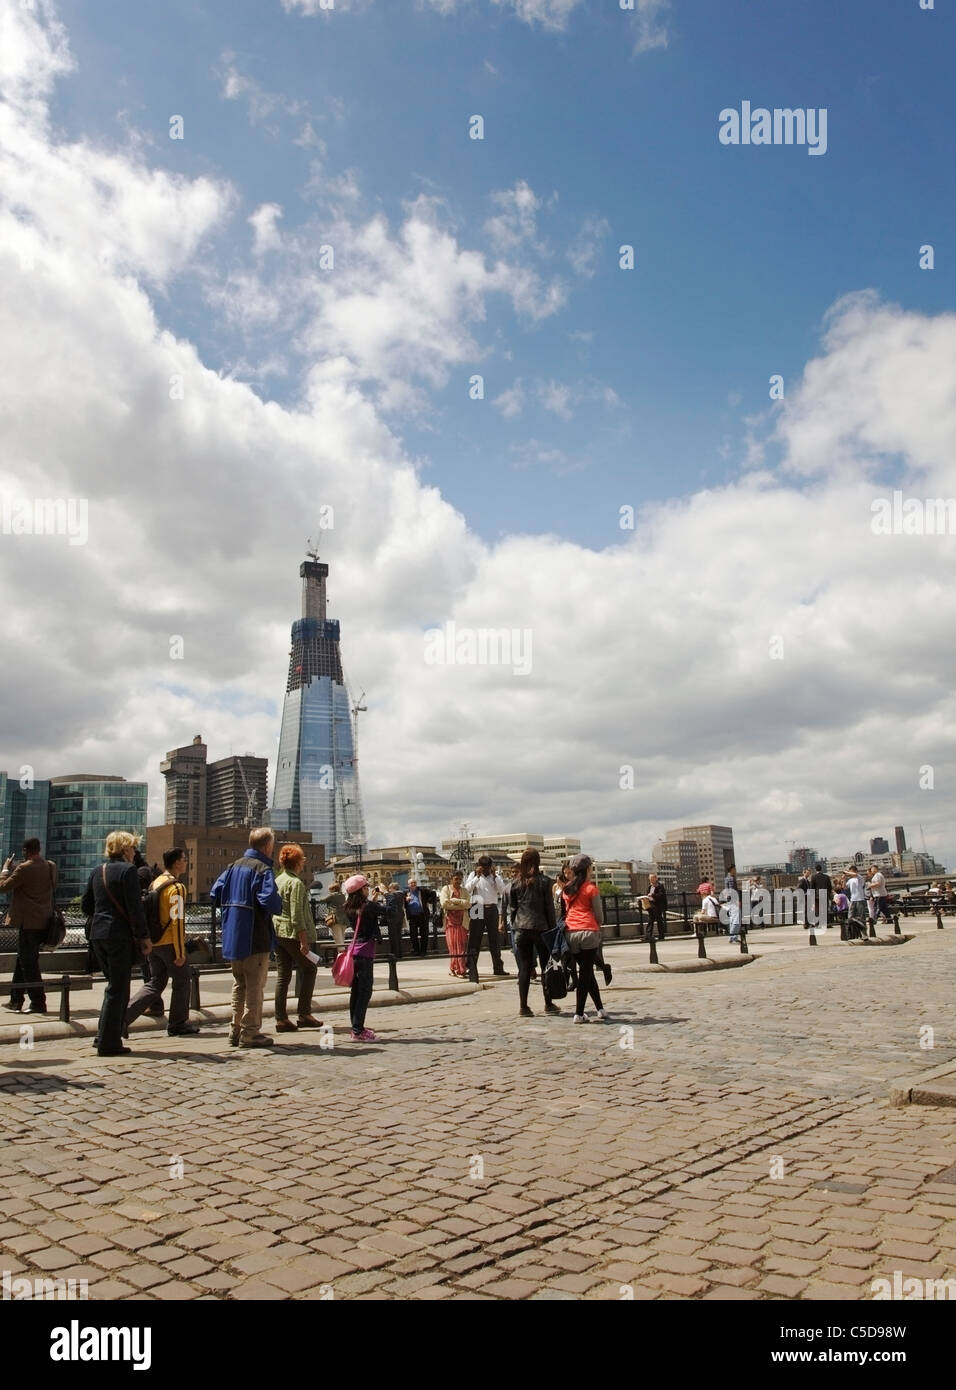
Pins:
x: 881, y: 899
x: 853, y: 887
x: 486, y: 888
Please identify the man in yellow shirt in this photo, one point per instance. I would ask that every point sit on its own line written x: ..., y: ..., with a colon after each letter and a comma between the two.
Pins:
x: 167, y: 959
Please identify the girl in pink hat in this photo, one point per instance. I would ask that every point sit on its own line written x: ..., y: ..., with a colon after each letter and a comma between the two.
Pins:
x: 365, y: 916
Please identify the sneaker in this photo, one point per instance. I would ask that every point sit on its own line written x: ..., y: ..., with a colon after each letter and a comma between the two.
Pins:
x: 35, y: 1009
x: 363, y: 1035
x: 580, y: 1018
x: 307, y: 1021
x: 260, y: 1040
x: 551, y: 1009
x: 525, y: 1012
x: 285, y: 1025
x: 13, y: 1008
x: 603, y: 1015
x: 183, y: 1030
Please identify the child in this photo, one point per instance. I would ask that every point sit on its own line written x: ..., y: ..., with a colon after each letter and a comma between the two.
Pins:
x: 365, y: 916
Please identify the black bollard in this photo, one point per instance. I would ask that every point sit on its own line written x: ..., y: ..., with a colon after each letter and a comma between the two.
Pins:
x: 701, y: 948
x: 872, y: 928
x: 194, y: 988
x: 896, y: 924
x: 939, y: 918
x: 393, y: 973
x: 654, y: 960
x: 812, y: 938
x: 743, y: 942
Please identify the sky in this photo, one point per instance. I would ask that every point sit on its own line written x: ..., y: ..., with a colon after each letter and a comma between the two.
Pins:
x: 261, y: 283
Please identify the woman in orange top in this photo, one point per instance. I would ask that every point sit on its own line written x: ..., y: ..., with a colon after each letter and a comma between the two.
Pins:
x: 583, y: 919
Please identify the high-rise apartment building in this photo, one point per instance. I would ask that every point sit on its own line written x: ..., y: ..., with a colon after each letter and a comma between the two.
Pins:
x: 317, y: 786
x: 900, y: 834
x: 231, y: 791
x: 715, y: 851
x: 185, y: 772
x: 879, y: 845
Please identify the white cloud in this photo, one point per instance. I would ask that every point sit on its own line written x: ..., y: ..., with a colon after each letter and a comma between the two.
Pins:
x: 265, y: 232
x: 511, y: 401
x: 556, y: 397
x: 583, y: 251
x: 516, y: 220
x: 199, y: 508
x: 550, y: 14
x: 650, y: 25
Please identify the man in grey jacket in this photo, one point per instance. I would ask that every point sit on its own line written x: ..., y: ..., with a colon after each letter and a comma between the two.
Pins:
x: 32, y: 888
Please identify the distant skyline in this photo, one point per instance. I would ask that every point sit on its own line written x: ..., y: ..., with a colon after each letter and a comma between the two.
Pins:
x: 262, y: 283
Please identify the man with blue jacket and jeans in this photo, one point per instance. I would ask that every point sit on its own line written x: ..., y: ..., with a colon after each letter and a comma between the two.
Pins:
x: 247, y: 895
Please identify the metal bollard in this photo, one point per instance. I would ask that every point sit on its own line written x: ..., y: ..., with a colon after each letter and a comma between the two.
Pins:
x: 64, y: 998
x: 392, y: 972
x: 194, y: 988
x: 654, y: 960
x: 896, y: 924
x: 812, y: 938
x: 743, y: 942
x: 701, y: 948
x: 872, y: 928
x: 939, y: 917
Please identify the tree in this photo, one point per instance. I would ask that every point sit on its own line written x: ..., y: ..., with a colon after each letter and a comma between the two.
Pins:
x: 608, y: 890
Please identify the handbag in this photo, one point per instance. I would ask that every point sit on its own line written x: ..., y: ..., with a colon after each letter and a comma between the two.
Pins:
x: 343, y: 967
x: 56, y: 925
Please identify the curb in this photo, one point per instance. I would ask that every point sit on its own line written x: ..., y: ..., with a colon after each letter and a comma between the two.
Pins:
x: 222, y: 1013
x: 936, y: 1087
x: 690, y: 966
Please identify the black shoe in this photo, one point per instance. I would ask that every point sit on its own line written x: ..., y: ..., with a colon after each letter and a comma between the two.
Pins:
x: 607, y: 974
x: 525, y: 1012
x: 551, y: 1009
x: 502, y: 974
x: 14, y: 1008
x: 183, y: 1030
x: 114, y: 1051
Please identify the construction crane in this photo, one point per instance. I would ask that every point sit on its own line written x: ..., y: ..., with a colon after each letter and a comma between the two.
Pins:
x: 250, y: 795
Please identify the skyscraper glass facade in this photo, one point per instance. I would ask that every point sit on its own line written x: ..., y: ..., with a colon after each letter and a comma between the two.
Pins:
x: 23, y: 814
x: 82, y: 813
x: 316, y: 785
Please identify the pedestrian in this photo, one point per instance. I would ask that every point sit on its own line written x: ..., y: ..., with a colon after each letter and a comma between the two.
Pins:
x: 841, y: 906
x: 295, y: 938
x: 709, y: 915
x: 730, y: 909
x: 118, y: 927
x: 704, y: 887
x: 247, y: 895
x: 365, y: 916
x: 804, y: 888
x: 455, y: 904
x: 416, y: 910
x: 821, y: 886
x: 395, y: 918
x: 335, y: 918
x: 145, y: 876
x: 32, y: 888
x: 584, y: 917
x: 855, y: 891
x: 730, y: 879
x: 532, y: 919
x: 167, y: 959
x: 657, y: 908
x: 880, y: 897
x: 758, y: 901
x: 486, y: 889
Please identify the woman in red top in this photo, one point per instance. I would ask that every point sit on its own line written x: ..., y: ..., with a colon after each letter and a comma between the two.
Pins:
x: 583, y: 919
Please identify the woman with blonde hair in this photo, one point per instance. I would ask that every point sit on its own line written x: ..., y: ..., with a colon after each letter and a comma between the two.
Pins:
x: 295, y: 937
x: 118, y: 925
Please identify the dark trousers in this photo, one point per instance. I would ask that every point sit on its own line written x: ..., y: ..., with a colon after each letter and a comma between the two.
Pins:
x: 161, y: 968
x: 587, y: 984
x: 361, y: 992
x: 27, y: 969
x: 530, y: 946
x: 115, y: 955
x: 418, y: 933
x: 395, y: 928
x: 476, y: 925
x: 289, y: 958
x: 656, y: 915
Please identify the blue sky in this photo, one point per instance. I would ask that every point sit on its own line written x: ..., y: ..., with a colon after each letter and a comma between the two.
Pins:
x: 650, y: 375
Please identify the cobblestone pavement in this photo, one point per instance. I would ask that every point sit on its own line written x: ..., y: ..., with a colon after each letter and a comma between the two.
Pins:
x: 726, y: 1136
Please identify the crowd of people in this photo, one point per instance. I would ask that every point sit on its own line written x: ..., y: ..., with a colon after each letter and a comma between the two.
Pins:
x: 137, y: 914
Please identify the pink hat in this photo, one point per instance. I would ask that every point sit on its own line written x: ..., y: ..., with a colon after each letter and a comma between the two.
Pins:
x: 355, y: 883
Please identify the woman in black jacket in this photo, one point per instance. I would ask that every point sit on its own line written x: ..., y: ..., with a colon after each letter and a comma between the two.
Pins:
x: 531, y: 910
x: 112, y: 899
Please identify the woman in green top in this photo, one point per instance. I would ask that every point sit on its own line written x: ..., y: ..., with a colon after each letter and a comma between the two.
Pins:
x: 295, y: 934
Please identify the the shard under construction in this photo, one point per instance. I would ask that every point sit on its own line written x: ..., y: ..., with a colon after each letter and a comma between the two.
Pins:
x: 316, y: 783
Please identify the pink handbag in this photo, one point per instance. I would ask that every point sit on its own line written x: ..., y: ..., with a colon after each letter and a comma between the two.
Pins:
x: 343, y: 967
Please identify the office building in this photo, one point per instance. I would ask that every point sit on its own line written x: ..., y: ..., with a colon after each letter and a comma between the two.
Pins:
x: 715, y: 848
x: 317, y: 785
x: 617, y: 872
x: 803, y: 858
x: 24, y: 813
x: 677, y: 863
x: 231, y: 791
x: 879, y: 845
x: 83, y: 809
x: 900, y: 834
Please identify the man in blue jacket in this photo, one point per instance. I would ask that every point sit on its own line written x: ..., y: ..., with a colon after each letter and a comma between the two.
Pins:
x: 247, y: 895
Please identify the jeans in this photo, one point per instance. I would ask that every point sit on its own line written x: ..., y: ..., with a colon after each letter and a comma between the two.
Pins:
x: 289, y: 958
x: 476, y: 925
x: 529, y: 945
x: 27, y: 969
x: 162, y: 969
x: 587, y: 984
x: 249, y: 983
x: 115, y: 954
x: 418, y: 933
x: 361, y: 992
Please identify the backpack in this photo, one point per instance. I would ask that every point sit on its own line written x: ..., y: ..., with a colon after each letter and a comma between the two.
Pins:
x: 151, y: 899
